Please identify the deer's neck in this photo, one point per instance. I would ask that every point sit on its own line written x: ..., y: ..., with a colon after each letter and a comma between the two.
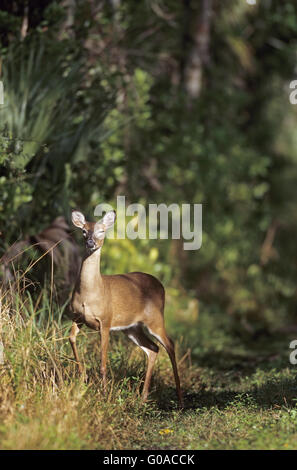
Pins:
x: 90, y: 276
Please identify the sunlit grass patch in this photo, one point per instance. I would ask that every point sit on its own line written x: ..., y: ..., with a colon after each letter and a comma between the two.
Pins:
x: 240, y: 398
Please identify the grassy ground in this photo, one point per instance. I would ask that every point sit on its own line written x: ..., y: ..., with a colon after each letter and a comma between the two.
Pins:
x: 238, y: 395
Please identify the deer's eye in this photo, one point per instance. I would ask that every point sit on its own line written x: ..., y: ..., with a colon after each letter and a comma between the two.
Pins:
x: 84, y: 233
x: 99, y: 233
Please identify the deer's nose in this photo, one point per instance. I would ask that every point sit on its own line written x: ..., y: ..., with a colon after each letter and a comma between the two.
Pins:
x: 90, y: 243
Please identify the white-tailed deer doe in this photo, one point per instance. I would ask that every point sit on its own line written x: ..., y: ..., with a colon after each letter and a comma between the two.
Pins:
x: 124, y: 302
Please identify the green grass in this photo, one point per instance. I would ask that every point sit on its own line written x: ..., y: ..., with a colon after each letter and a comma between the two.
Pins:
x: 238, y: 395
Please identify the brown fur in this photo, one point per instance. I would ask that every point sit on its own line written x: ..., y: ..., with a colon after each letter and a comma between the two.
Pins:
x: 122, y: 301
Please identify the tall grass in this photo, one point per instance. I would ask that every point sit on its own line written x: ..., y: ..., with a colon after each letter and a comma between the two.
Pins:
x: 44, y: 404
x: 235, y: 397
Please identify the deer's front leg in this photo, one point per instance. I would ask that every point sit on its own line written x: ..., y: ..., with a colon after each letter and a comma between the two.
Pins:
x: 72, y: 338
x: 104, y: 348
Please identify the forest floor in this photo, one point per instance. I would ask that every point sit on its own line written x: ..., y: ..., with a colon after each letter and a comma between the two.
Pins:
x: 238, y: 394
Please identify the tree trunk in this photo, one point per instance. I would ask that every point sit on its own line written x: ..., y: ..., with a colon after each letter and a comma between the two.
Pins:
x: 199, y: 39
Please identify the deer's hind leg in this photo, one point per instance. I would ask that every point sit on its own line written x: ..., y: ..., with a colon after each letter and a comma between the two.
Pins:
x: 137, y: 335
x: 157, y: 329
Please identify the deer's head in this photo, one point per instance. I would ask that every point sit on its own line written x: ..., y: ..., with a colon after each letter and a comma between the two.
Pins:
x: 94, y: 232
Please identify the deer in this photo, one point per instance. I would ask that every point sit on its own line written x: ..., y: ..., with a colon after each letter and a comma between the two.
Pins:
x: 133, y: 303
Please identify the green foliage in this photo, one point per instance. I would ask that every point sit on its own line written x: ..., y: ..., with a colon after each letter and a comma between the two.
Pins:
x: 15, y: 189
x: 46, y: 129
x: 96, y: 105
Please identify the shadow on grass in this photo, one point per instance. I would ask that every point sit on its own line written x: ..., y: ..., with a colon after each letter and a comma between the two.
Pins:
x: 223, y: 378
x: 215, y: 379
x: 272, y: 394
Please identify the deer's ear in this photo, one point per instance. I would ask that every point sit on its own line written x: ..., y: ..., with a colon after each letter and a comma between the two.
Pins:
x: 78, y: 219
x: 109, y: 219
